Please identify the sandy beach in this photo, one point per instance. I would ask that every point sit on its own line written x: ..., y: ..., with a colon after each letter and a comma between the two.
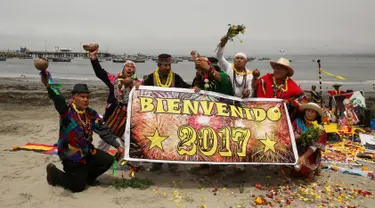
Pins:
x: 27, y: 115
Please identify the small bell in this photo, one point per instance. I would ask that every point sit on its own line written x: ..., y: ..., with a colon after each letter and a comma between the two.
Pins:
x: 206, y: 80
x: 206, y: 86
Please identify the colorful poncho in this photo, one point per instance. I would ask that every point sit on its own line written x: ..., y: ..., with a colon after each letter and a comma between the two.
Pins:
x: 75, y: 142
x: 265, y: 89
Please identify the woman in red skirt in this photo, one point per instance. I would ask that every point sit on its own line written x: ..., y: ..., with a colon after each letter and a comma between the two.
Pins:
x: 310, y: 138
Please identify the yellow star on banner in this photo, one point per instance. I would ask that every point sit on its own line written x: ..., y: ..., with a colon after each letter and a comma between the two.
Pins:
x: 156, y: 140
x: 268, y: 144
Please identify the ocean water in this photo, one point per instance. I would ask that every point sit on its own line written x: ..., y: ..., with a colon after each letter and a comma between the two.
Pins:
x: 359, y: 70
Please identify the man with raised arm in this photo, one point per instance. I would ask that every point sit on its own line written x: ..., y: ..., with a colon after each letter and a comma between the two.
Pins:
x: 81, y: 161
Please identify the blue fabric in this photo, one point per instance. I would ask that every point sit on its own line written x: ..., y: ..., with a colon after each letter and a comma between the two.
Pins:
x: 301, y: 124
x: 54, y: 87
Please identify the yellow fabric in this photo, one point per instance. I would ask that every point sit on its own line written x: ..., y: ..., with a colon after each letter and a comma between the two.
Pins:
x: 34, y: 147
x: 332, y: 128
x: 333, y: 75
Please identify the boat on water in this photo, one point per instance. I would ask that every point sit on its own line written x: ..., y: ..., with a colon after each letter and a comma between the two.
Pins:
x: 118, y: 60
x: 264, y: 59
x: 176, y: 60
x: 25, y: 57
x: 60, y: 59
x: 139, y: 61
x: 3, y: 59
x: 121, y: 60
x: 251, y: 58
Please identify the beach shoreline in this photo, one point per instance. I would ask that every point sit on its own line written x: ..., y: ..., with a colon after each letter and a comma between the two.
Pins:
x: 28, y: 115
x: 30, y: 88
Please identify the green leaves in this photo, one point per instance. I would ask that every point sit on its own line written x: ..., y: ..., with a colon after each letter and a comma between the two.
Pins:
x: 132, y: 183
x: 234, y: 30
x: 309, y: 136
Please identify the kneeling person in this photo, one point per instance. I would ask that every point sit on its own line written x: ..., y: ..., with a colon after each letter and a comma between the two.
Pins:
x: 82, y: 162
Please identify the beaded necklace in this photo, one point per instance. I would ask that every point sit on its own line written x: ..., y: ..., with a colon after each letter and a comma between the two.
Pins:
x: 167, y: 84
x: 244, y: 74
x: 85, y: 125
x: 280, y: 87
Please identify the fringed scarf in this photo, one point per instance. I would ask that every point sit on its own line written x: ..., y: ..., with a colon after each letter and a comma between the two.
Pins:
x: 120, y: 90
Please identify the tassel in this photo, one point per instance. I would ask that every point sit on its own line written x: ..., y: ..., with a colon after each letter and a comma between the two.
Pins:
x: 114, y: 170
x: 132, y: 171
x: 123, y: 163
x: 54, y: 87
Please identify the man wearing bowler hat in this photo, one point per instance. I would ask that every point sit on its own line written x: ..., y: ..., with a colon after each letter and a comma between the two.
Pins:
x: 81, y: 161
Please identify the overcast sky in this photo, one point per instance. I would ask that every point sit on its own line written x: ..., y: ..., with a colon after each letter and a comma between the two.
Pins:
x: 177, y: 26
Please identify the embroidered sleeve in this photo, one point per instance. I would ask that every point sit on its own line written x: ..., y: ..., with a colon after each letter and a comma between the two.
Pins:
x: 111, y: 77
x: 261, y: 88
x: 104, y: 132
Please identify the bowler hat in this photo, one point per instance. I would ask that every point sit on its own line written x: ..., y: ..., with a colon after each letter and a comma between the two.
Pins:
x: 80, y: 88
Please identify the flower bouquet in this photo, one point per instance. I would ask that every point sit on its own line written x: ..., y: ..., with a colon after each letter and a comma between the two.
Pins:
x: 233, y: 32
x: 309, y: 136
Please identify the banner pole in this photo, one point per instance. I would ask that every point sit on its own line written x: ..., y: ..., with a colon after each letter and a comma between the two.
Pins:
x: 320, y: 84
